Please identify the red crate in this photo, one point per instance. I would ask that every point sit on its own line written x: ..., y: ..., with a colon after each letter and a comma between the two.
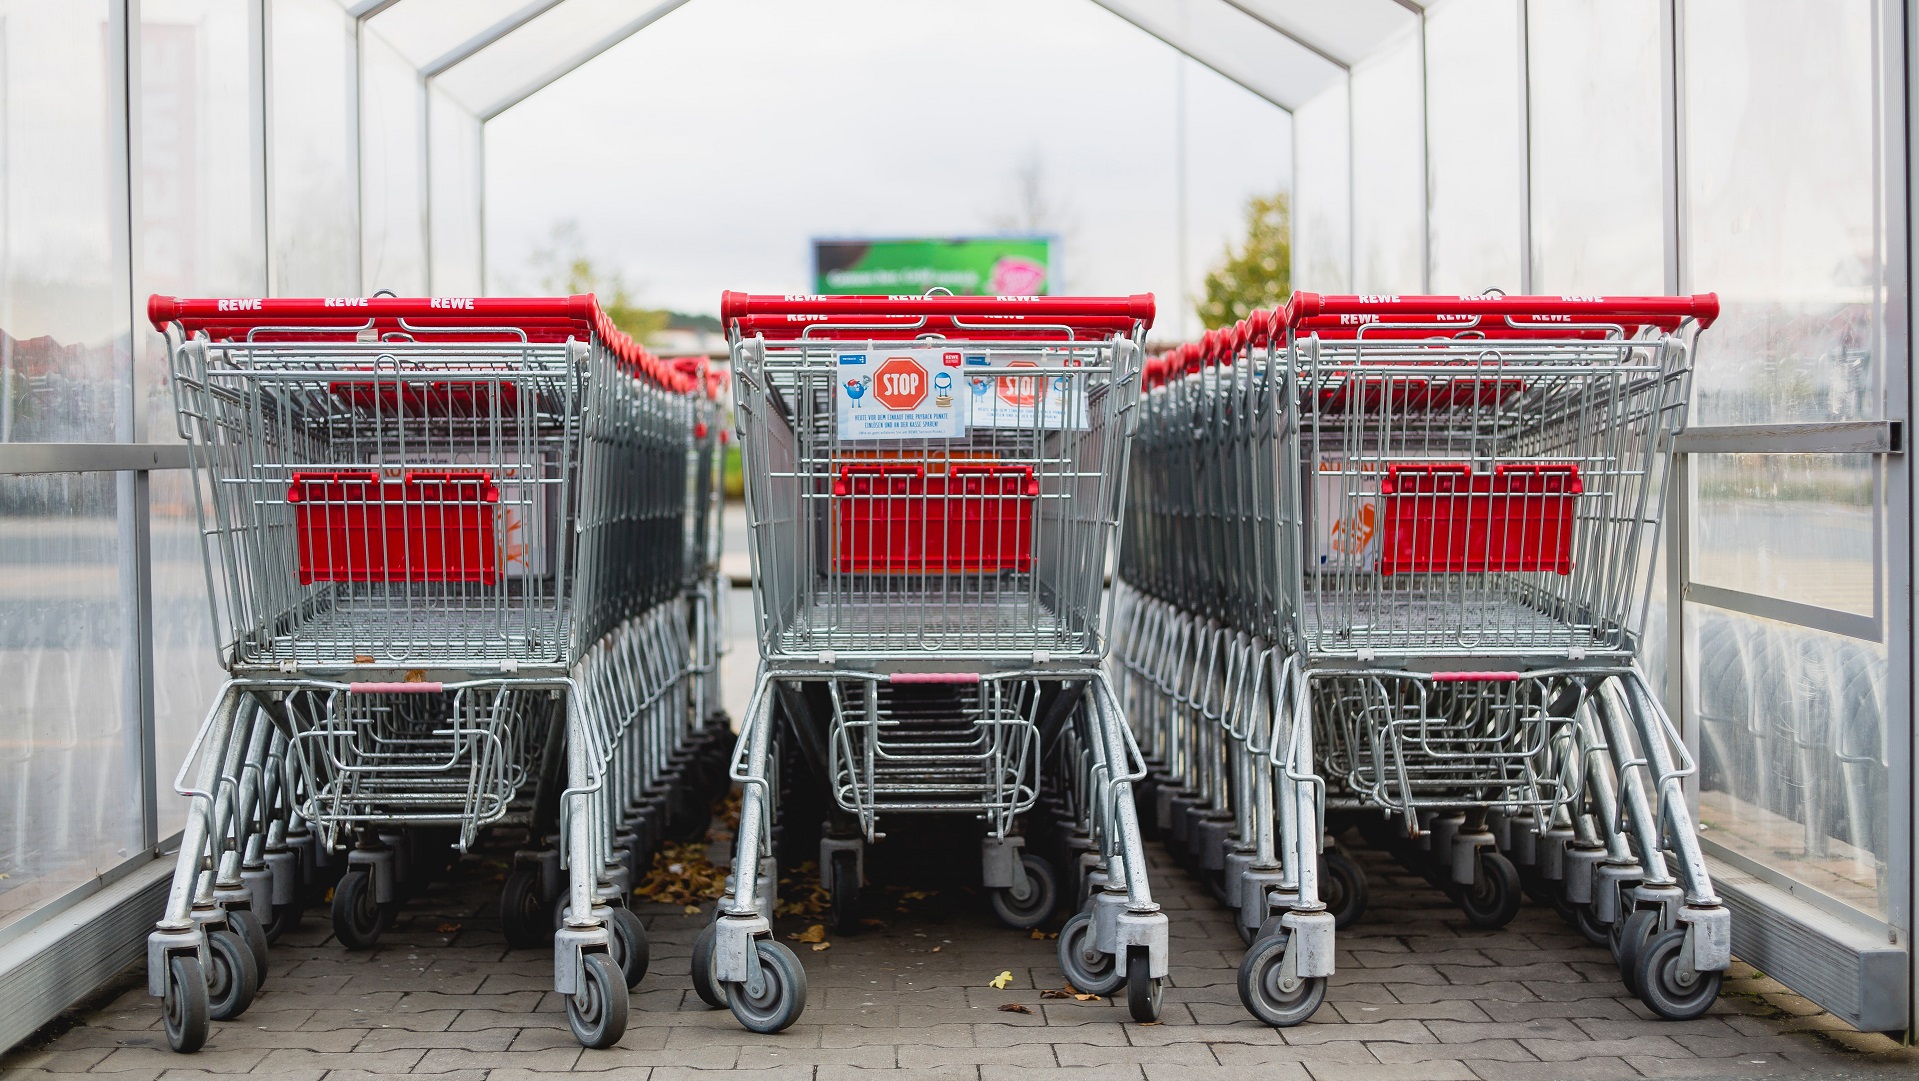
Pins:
x: 428, y: 526
x: 429, y: 398
x: 1444, y: 518
x: 974, y: 518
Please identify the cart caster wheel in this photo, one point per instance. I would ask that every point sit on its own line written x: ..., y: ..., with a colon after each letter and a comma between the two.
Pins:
x: 1024, y: 911
x: 359, y: 920
x: 1629, y: 938
x: 1665, y: 988
x: 1144, y: 994
x: 524, y: 919
x: 843, y: 885
x: 1342, y: 889
x: 597, y: 1011
x: 782, y: 996
x: 1267, y: 995
x: 232, y: 978
x: 1247, y: 935
x: 285, y: 918
x: 1596, y: 932
x: 704, y: 985
x: 1492, y: 900
x: 630, y: 948
x: 247, y: 925
x: 1086, y: 968
x: 185, y: 1005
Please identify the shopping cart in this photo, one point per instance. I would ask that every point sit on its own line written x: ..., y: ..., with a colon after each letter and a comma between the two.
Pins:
x: 1435, y: 516
x: 932, y: 487
x: 445, y: 549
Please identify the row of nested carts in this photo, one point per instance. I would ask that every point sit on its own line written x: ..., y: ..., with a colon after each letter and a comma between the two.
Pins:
x: 1367, y: 565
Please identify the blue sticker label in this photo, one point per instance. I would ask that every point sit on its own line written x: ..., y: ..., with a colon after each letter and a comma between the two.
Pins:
x: 852, y: 358
x: 976, y: 358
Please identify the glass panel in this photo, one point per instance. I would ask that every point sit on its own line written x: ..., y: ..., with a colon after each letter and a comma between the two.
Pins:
x: 1792, y: 741
x: 202, y: 226
x: 69, y: 788
x: 1795, y: 526
x: 187, y: 672
x: 1472, y: 165
x: 425, y: 30
x: 1389, y: 221
x: 315, y: 190
x: 457, y: 173
x: 1780, y: 168
x: 1597, y: 226
x: 1323, y: 198
x: 393, y: 162
x: 64, y: 338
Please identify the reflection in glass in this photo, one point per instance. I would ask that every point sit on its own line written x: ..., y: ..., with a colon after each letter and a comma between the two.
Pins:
x: 315, y: 198
x: 392, y: 163
x: 1792, y: 751
x: 63, y: 290
x: 1795, y: 526
x: 186, y: 667
x: 69, y: 797
x: 1780, y: 170
x: 1388, y: 152
x: 1322, y: 197
x: 457, y: 174
x: 1473, y: 167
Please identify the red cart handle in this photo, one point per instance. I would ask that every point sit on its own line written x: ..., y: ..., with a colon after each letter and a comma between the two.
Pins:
x: 1139, y: 307
x: 844, y: 486
x: 1703, y: 307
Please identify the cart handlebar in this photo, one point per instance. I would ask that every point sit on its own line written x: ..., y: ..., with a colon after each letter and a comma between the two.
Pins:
x: 1098, y: 313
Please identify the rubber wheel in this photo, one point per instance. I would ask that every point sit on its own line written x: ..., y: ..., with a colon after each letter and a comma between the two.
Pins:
x: 359, y: 920
x: 524, y: 919
x: 1027, y: 910
x: 704, y: 985
x: 1660, y: 986
x: 631, y: 949
x: 185, y: 1005
x: 1596, y: 932
x: 247, y: 925
x: 597, y: 1011
x: 1086, y: 968
x: 1144, y: 994
x: 232, y: 978
x: 1342, y: 889
x: 284, y: 918
x: 1629, y: 942
x: 844, y: 887
x: 782, y: 996
x: 1262, y: 992
x: 1493, y: 899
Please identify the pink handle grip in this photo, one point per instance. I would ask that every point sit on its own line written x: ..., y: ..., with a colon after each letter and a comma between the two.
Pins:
x: 1475, y: 677
x: 933, y: 677
x: 393, y: 688
x: 1139, y: 306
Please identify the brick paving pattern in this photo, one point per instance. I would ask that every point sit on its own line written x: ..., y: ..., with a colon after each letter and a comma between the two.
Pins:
x: 1419, y: 995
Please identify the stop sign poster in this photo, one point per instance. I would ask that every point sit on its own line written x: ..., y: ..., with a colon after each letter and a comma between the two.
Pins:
x: 1053, y: 397
x: 909, y: 393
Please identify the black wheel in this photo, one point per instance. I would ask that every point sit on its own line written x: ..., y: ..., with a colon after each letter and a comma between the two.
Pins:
x: 282, y: 919
x: 1267, y: 995
x: 631, y: 950
x: 247, y: 926
x: 359, y: 920
x: 704, y: 985
x: 597, y: 1011
x: 843, y: 885
x: 523, y: 916
x: 1596, y: 931
x: 1086, y: 968
x: 782, y: 994
x: 232, y: 978
x: 1029, y: 908
x: 185, y: 1005
x: 1493, y: 898
x: 1664, y: 988
x: 1342, y: 889
x: 1629, y: 941
x: 1144, y: 993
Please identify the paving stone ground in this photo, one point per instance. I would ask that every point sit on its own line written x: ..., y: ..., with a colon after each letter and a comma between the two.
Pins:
x: 1418, y: 995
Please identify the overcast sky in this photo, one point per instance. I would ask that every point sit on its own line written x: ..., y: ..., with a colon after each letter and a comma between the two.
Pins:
x: 704, y: 152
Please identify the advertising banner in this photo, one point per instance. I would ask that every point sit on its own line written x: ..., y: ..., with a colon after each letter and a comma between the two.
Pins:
x: 1007, y: 266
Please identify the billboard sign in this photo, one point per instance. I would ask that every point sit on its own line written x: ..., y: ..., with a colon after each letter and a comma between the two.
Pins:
x: 1007, y: 266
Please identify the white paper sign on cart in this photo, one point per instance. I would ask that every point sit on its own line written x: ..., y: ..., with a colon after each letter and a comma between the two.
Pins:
x: 907, y: 393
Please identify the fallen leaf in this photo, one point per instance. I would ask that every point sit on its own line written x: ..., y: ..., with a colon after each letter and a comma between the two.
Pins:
x: 449, y: 928
x: 917, y: 895
x: 818, y: 946
x: 1038, y: 934
x: 937, y: 949
x: 870, y: 922
x: 1056, y: 994
x: 691, y: 910
x: 1000, y: 981
x: 1013, y: 1007
x: 1084, y: 997
x: 1147, y: 1024
x: 815, y: 933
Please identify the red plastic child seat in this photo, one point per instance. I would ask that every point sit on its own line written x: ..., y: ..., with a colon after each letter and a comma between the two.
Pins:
x: 975, y: 518
x: 429, y: 526
x: 1444, y: 518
